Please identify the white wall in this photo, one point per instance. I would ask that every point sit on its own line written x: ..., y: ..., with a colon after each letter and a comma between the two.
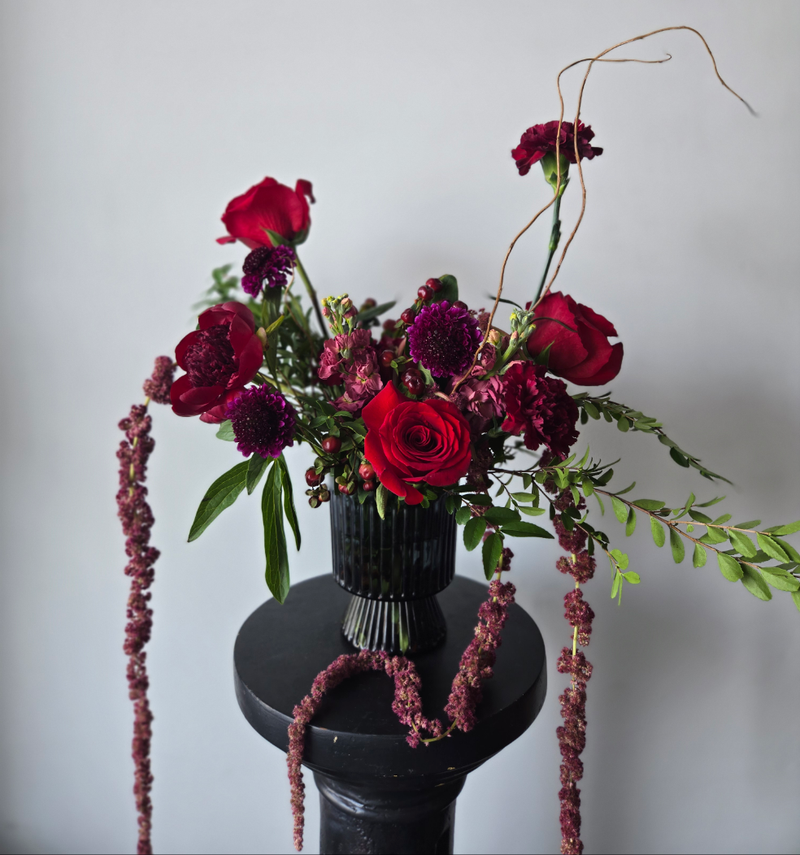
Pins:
x: 128, y: 126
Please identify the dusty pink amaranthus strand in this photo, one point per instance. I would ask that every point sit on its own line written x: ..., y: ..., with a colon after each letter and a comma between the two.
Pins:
x: 475, y: 667
x: 572, y: 734
x: 137, y: 520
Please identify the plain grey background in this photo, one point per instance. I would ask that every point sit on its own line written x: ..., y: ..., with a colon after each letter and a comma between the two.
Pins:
x: 126, y: 129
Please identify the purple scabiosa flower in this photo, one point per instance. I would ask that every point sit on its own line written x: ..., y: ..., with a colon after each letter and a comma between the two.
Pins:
x: 267, y: 265
x: 444, y: 338
x: 263, y: 421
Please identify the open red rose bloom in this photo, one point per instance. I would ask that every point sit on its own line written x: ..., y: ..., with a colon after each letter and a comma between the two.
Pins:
x: 413, y: 441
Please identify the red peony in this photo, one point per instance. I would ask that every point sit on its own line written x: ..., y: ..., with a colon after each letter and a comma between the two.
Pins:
x: 541, y: 407
x: 540, y: 140
x: 219, y: 358
x: 581, y: 354
x: 268, y: 205
x: 415, y: 441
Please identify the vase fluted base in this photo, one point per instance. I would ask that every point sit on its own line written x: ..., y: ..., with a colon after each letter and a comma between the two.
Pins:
x: 397, y: 627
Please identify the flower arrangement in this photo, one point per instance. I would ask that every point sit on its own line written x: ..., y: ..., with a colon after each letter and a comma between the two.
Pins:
x: 441, y: 402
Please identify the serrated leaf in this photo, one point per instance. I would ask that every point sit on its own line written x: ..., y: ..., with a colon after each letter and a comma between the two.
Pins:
x: 620, y: 509
x: 755, y: 584
x: 381, y: 498
x: 288, y: 501
x: 787, y: 547
x: 657, y: 530
x: 790, y: 528
x: 226, y: 431
x: 742, y: 543
x: 525, y: 529
x: 729, y: 567
x: 500, y: 516
x: 632, y: 577
x: 473, y: 532
x: 699, y: 556
x: 676, y: 545
x: 462, y: 515
x: 772, y: 549
x: 780, y: 579
x: 277, y: 560
x: 630, y: 525
x: 649, y: 504
x: 255, y: 469
x: 220, y: 495
x: 749, y: 524
x: 492, y: 550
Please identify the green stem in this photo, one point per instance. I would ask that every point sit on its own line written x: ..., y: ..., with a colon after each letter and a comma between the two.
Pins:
x: 311, y: 293
x: 555, y: 237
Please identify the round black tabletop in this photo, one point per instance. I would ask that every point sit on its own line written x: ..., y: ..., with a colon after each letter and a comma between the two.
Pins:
x: 280, y: 649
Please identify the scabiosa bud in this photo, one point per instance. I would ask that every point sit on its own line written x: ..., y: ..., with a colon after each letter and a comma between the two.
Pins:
x: 444, y: 338
x: 263, y: 421
x: 264, y: 264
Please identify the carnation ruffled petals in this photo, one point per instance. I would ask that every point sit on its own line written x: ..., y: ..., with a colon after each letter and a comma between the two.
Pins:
x: 415, y: 441
x: 540, y: 140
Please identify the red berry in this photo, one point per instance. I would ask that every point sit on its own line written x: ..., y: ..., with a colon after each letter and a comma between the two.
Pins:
x: 366, y: 472
x: 369, y: 303
x: 368, y: 486
x: 408, y: 316
x: 412, y: 380
x: 434, y: 284
x: 387, y: 357
x: 347, y: 489
x: 425, y: 293
x: 460, y: 304
x: 312, y: 478
x: 389, y: 325
x: 331, y: 444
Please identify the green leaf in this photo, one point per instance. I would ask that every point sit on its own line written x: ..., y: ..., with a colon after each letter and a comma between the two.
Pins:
x: 623, y: 424
x: 600, y: 502
x: 256, y: 467
x: 381, y: 498
x: 632, y: 577
x: 755, y: 584
x: 713, y: 501
x: 742, y: 543
x: 748, y: 524
x: 657, y: 531
x: 525, y: 529
x: 791, y: 528
x: 473, y: 532
x: 678, y: 457
x: 448, y: 291
x: 780, y: 579
x: 288, y: 501
x: 587, y: 486
x: 626, y: 490
x: 771, y: 548
x: 730, y: 568
x: 796, y: 599
x: 698, y: 517
x: 532, y: 512
x: 369, y: 314
x: 220, y: 495
x: 699, y: 556
x: 492, y: 550
x: 676, y: 544
x: 630, y: 525
x: 462, y: 515
x: 500, y: 516
x: 277, y: 560
x: 616, y: 584
x: 722, y: 520
x: 276, y: 238
x: 591, y: 409
x: 793, y: 554
x: 226, y: 431
x: 621, y: 559
x: 620, y: 509
x: 649, y: 504
x: 714, y: 536
x: 524, y: 498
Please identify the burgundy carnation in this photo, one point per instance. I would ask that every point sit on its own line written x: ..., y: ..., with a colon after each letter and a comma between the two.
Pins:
x: 444, y: 338
x: 540, y: 140
x: 265, y: 266
x: 541, y: 407
x: 222, y: 356
x: 263, y: 421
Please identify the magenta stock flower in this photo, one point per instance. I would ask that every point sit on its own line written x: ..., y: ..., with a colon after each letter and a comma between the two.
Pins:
x: 263, y: 421
x: 481, y: 400
x: 351, y: 360
x: 444, y: 338
x: 540, y: 140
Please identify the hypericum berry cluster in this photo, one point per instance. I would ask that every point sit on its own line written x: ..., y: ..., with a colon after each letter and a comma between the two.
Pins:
x: 318, y: 491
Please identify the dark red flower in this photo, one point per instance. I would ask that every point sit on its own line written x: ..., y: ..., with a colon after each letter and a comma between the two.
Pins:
x: 541, y: 407
x: 220, y: 357
x: 413, y: 441
x: 540, y: 140
x: 268, y: 205
x: 579, y: 348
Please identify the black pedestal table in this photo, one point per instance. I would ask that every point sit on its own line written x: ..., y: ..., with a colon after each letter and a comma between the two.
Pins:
x: 377, y: 794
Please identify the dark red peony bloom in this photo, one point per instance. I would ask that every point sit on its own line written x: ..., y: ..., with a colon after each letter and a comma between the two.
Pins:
x: 541, y: 407
x: 540, y: 140
x: 268, y: 205
x: 415, y: 441
x: 220, y: 357
x: 584, y: 356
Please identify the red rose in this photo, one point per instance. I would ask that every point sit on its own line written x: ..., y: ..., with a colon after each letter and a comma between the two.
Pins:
x: 268, y: 205
x: 584, y: 356
x: 220, y: 357
x: 415, y: 441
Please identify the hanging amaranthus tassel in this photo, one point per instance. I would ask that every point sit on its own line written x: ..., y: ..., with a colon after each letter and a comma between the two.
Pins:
x: 572, y: 734
x: 137, y: 520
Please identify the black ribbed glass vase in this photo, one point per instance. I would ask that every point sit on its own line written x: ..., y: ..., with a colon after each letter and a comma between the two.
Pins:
x: 394, y: 568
